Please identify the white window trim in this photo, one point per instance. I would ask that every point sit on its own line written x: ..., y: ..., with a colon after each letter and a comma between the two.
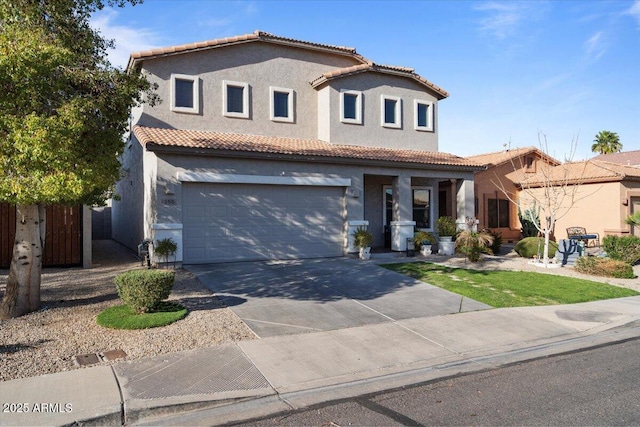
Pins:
x: 429, y: 104
x: 398, y: 123
x: 358, y: 119
x: 289, y: 92
x: 245, y: 99
x: 417, y: 187
x: 196, y: 94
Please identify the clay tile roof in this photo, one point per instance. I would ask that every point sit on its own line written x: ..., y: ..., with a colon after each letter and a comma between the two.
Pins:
x: 372, y: 67
x: 586, y: 172
x: 156, y: 138
x: 629, y: 158
x: 499, y: 157
x: 255, y: 36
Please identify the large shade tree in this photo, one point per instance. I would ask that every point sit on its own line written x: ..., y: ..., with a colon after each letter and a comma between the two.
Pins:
x: 63, y: 111
x: 606, y: 142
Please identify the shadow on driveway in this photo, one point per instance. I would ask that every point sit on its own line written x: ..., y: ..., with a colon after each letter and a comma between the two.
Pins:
x: 287, y: 297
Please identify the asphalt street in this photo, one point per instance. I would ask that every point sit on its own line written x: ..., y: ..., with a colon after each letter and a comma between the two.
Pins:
x: 592, y: 387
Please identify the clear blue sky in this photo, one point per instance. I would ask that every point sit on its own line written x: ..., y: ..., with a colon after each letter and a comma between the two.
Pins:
x: 514, y: 69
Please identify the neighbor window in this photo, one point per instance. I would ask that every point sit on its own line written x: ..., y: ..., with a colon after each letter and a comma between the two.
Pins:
x: 281, y: 104
x: 529, y: 164
x: 421, y: 206
x: 498, y: 213
x: 235, y: 102
x: 351, y: 107
x: 423, y: 115
x: 184, y: 94
x: 391, y: 111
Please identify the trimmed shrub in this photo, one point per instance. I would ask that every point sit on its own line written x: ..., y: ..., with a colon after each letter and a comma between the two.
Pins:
x: 528, y: 247
x: 142, y: 290
x: 606, y: 267
x: 622, y: 248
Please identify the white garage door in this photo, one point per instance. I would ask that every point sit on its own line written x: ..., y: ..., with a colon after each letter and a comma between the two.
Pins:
x: 238, y: 222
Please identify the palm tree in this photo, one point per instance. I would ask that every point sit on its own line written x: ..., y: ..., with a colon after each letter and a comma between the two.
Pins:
x: 606, y: 143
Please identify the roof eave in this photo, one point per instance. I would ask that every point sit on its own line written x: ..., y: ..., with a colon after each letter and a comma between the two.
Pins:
x: 173, y: 149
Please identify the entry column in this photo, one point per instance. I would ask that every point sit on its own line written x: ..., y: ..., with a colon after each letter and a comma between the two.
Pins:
x: 402, y: 225
x: 465, y: 201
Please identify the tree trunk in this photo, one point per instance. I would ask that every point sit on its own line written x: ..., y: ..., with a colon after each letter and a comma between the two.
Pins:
x: 22, y: 294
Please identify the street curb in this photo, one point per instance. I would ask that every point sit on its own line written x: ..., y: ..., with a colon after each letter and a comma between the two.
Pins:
x: 254, y: 409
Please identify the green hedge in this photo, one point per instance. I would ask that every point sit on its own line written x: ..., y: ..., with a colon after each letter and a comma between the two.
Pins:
x: 622, y: 248
x: 528, y: 247
x: 606, y: 267
x: 142, y: 290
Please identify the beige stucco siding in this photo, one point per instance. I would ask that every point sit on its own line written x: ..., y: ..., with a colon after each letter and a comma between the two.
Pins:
x: 260, y: 65
x: 371, y: 133
x: 596, y: 208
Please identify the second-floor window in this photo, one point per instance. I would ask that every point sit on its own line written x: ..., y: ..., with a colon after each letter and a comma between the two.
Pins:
x: 281, y: 104
x: 235, y: 102
x: 185, y: 94
x: 423, y: 115
x: 391, y: 111
x: 351, y: 107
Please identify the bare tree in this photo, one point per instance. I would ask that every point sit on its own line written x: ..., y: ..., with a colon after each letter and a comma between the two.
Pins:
x: 553, y: 189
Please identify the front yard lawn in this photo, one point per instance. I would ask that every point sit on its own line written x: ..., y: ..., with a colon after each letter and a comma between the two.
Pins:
x: 511, y: 288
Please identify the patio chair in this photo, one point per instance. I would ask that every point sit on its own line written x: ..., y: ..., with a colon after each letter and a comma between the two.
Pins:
x: 580, y: 233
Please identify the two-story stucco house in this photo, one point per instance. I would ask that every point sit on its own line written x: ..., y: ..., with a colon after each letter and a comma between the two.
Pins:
x: 266, y: 147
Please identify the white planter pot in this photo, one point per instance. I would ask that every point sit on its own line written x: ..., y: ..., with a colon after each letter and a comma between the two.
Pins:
x: 446, y: 238
x: 425, y: 250
x: 365, y: 253
x: 446, y: 248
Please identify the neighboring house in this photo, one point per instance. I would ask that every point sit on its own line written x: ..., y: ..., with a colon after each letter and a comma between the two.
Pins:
x: 493, y: 208
x: 266, y: 147
x: 607, y: 194
x: 67, y: 238
x: 628, y: 158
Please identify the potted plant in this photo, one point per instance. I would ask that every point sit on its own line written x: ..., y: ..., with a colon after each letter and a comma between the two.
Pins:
x: 447, y: 228
x: 362, y: 239
x: 423, y: 241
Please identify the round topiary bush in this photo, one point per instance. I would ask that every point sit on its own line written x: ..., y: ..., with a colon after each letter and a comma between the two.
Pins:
x: 142, y: 290
x: 528, y: 247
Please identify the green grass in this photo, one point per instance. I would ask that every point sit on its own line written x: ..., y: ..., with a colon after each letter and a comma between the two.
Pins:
x: 511, y: 288
x: 124, y: 317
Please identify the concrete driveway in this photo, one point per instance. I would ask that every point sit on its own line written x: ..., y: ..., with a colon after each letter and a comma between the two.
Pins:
x: 292, y: 297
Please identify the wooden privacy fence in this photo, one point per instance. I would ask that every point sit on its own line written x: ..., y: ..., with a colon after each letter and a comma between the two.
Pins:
x: 63, y: 241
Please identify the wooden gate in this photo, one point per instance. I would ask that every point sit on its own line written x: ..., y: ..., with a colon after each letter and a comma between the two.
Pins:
x: 63, y: 241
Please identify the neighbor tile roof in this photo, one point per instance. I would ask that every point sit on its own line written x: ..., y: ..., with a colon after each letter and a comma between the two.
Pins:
x: 500, y: 157
x: 586, y: 172
x: 255, y: 36
x: 629, y: 158
x: 234, y: 142
x: 378, y: 68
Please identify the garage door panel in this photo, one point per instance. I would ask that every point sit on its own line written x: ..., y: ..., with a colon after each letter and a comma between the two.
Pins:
x: 234, y: 222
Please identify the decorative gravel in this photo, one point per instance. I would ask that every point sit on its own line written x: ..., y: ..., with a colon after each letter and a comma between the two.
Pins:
x: 48, y: 340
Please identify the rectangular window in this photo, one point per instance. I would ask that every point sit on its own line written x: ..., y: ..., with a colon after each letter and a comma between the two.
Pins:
x: 391, y: 111
x: 235, y: 102
x: 351, y: 107
x: 498, y: 213
x: 281, y: 104
x: 421, y: 206
x: 185, y: 94
x: 423, y: 115
x: 530, y: 165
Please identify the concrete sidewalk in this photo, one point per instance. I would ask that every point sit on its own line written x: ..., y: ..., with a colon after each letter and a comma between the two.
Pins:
x: 256, y: 378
